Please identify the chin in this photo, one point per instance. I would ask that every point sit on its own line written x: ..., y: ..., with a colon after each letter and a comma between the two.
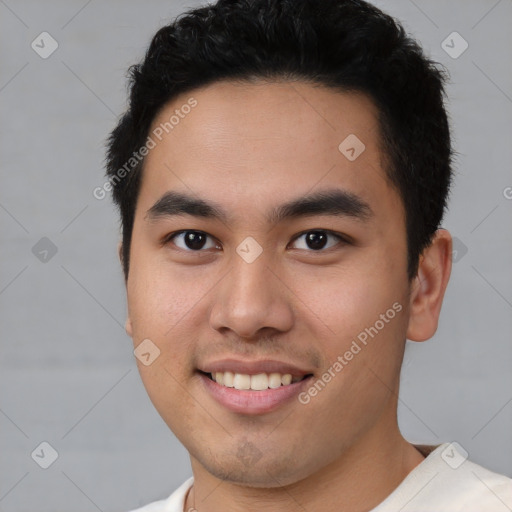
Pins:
x: 258, y: 472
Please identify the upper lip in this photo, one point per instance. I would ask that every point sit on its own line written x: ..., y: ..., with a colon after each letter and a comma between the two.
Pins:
x: 254, y: 367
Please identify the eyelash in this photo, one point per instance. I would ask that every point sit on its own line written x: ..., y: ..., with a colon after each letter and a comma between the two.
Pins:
x: 342, y: 240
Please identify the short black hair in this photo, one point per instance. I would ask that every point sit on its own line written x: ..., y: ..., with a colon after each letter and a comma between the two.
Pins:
x: 346, y: 45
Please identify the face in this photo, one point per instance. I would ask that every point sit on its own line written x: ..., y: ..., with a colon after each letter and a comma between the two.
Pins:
x: 224, y: 278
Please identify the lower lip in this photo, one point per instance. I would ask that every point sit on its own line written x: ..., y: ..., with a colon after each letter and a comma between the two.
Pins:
x: 250, y: 401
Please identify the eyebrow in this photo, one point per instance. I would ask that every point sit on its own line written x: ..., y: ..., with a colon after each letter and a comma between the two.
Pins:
x: 334, y: 202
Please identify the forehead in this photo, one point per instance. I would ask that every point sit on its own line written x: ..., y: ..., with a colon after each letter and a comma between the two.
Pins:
x: 242, y: 143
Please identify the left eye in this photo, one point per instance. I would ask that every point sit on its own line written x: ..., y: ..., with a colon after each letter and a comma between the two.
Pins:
x: 318, y: 240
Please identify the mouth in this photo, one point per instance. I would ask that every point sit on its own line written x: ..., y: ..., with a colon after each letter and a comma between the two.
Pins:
x: 255, y: 394
x: 257, y: 382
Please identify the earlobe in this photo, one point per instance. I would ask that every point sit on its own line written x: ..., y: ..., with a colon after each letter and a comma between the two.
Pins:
x: 429, y: 286
x: 120, y: 251
x: 128, y: 327
x: 128, y: 323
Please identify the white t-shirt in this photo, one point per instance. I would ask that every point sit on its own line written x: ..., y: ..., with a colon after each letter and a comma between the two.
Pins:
x: 444, y: 482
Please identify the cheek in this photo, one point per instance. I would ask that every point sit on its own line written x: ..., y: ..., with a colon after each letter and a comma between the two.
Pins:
x: 361, y: 317
x: 345, y: 302
x: 160, y: 297
x: 169, y: 305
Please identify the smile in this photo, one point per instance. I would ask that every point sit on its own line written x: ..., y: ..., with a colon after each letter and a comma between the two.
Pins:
x: 258, y: 382
x: 253, y: 394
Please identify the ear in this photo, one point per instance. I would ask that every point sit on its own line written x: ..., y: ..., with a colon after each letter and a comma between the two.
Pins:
x: 128, y: 326
x: 428, y: 287
x: 128, y: 323
x: 120, y: 251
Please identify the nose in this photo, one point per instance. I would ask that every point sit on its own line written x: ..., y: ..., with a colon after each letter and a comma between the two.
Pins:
x: 252, y: 297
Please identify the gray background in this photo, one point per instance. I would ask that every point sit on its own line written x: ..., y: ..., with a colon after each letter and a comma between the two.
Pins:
x: 67, y: 373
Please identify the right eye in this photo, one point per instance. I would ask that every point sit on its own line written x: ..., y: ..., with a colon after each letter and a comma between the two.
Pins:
x: 191, y: 240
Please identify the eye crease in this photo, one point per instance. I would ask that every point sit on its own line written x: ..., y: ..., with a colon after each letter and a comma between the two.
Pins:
x: 318, y: 239
x: 314, y: 240
x: 194, y: 239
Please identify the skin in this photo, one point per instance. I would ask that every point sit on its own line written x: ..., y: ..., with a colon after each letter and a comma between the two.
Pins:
x: 249, y: 148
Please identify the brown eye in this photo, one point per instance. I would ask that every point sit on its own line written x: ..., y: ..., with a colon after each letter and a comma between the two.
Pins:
x: 317, y: 240
x: 192, y: 240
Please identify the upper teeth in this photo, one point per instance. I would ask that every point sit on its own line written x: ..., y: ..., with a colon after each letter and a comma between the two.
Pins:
x: 255, y: 382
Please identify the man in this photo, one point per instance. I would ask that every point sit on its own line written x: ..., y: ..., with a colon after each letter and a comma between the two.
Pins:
x: 281, y: 172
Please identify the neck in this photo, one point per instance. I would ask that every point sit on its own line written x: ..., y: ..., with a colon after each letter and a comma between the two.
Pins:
x: 358, y: 481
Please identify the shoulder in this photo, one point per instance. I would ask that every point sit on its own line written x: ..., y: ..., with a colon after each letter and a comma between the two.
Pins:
x: 476, y: 486
x: 447, y: 480
x: 174, y: 503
